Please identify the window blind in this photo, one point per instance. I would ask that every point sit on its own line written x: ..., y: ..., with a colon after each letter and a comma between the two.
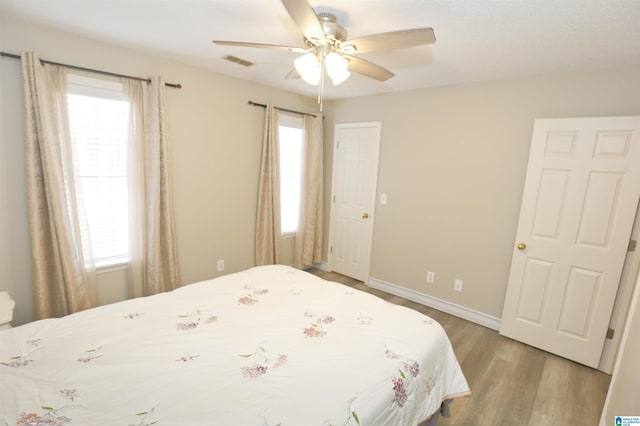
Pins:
x: 98, y: 119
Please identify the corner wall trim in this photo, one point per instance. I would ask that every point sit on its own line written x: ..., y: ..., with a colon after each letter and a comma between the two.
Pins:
x: 436, y: 303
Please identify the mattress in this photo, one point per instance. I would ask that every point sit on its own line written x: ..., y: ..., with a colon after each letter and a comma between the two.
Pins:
x: 271, y: 345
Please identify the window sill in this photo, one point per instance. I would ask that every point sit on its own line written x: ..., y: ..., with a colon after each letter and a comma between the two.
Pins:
x: 286, y: 235
x: 112, y: 267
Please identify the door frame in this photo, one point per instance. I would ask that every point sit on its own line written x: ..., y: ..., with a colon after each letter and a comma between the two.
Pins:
x: 332, y: 226
x: 627, y: 284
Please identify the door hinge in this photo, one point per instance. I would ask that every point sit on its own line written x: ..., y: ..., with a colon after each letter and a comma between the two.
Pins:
x: 331, y: 249
x: 334, y: 198
x: 610, y: 333
x: 338, y: 145
x: 632, y: 245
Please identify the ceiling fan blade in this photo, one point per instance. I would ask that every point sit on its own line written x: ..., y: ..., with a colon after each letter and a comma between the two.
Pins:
x: 306, y: 19
x: 293, y: 75
x: 368, y: 69
x: 393, y: 40
x: 260, y: 45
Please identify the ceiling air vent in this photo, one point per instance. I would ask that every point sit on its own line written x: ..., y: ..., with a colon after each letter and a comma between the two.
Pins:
x: 239, y: 61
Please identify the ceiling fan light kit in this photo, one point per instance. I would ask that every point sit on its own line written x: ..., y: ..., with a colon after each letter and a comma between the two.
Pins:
x: 310, y: 67
x: 328, y: 51
x: 336, y: 67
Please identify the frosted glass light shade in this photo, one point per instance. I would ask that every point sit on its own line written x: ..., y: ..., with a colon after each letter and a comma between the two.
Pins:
x: 337, y: 68
x: 309, y: 68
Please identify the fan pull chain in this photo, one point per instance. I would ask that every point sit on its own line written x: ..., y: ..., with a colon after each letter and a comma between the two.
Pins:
x: 321, y: 83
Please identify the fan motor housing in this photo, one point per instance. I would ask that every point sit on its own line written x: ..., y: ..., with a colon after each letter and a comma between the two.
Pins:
x: 332, y: 30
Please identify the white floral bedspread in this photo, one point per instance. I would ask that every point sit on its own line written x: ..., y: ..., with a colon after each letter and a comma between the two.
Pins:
x: 268, y: 346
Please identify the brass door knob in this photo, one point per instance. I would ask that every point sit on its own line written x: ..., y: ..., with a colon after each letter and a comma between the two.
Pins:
x: 522, y: 246
x: 365, y: 215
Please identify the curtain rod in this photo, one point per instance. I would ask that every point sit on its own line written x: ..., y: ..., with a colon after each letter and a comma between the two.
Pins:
x: 281, y: 109
x: 75, y: 67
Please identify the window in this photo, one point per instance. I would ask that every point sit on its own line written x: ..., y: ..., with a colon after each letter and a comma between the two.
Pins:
x: 291, y: 138
x: 99, y: 121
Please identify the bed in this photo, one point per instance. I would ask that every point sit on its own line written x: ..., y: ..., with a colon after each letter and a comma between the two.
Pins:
x: 268, y: 346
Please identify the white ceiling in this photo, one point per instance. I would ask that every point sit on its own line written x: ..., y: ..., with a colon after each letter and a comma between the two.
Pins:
x: 476, y: 39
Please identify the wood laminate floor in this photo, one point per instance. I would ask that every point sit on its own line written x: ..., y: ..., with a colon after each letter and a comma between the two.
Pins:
x: 511, y: 383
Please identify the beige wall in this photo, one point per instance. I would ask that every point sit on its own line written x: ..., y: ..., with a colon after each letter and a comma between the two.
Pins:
x: 215, y: 150
x: 453, y: 162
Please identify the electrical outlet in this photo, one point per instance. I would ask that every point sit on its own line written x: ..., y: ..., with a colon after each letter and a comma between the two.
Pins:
x: 457, y: 285
x: 220, y: 265
x: 431, y: 277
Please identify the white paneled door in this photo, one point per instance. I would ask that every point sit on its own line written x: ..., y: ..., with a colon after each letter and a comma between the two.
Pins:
x: 578, y: 207
x: 355, y: 175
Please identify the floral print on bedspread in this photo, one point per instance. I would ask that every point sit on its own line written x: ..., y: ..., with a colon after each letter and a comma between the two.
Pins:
x: 408, y: 371
x: 317, y: 327
x: 261, y: 362
x: 351, y: 421
x: 364, y: 319
x: 430, y: 384
x: 296, y: 291
x: 50, y: 416
x: 247, y: 300
x: 90, y: 355
x: 69, y: 393
x: 34, y: 343
x: 18, y: 361
x: 266, y: 422
x: 23, y: 360
x: 251, y: 297
x: 194, y: 319
x: 187, y: 358
x: 399, y: 391
x: 144, y: 421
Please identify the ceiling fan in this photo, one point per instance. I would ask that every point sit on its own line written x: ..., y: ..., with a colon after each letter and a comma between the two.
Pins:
x: 328, y: 50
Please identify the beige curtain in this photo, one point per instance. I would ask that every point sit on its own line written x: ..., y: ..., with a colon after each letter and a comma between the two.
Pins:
x: 267, y: 244
x: 62, y: 265
x: 308, y: 243
x: 153, y: 265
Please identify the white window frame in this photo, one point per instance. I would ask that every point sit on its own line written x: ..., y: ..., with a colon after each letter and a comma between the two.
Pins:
x: 83, y: 85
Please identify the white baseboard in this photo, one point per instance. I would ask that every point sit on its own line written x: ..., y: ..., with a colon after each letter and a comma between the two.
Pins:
x: 436, y: 303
